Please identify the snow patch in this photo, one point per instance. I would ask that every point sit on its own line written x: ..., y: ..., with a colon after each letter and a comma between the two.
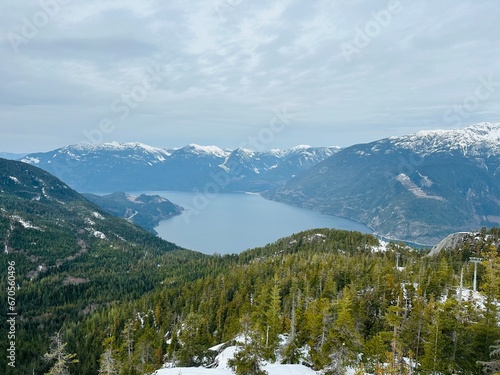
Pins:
x: 96, y: 233
x: 31, y: 160
x: 414, y: 189
x: 97, y: 215
x: 381, y: 248
x: 26, y: 224
x: 89, y: 221
x: 211, y: 150
x: 14, y: 179
x: 272, y: 369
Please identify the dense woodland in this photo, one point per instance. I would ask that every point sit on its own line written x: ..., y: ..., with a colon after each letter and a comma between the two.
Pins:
x: 319, y: 298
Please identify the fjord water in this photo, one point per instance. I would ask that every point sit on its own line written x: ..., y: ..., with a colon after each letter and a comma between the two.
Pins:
x: 231, y: 223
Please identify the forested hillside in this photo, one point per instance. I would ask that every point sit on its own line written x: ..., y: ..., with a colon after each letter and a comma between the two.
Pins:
x: 325, y: 298
x: 144, y: 210
x: 66, y: 259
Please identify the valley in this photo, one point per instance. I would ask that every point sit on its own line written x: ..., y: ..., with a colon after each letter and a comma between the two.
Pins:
x: 415, y: 188
x: 278, y: 288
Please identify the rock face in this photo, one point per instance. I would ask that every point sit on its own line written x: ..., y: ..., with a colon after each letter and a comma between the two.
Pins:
x: 418, y: 188
x: 451, y: 242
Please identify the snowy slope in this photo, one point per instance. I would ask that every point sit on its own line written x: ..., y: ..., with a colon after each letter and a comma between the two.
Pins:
x: 419, y: 187
x: 473, y: 140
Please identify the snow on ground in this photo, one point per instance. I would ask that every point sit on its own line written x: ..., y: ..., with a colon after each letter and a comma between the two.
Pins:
x: 382, y: 247
x: 414, y: 189
x: 97, y: 215
x: 96, y: 233
x: 222, y: 367
x: 223, y: 358
x: 89, y: 221
x: 25, y: 224
x: 272, y: 369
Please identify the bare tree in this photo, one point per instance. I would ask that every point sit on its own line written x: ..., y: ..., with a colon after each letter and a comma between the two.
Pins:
x: 109, y: 365
x: 493, y: 366
x: 57, y: 354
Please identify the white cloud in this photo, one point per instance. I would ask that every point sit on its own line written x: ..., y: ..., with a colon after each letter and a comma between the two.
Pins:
x: 229, y: 62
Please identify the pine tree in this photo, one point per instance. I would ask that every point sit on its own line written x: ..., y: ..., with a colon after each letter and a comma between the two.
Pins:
x: 344, y: 340
x: 57, y: 354
x: 246, y: 362
x: 192, y: 340
x: 291, y: 352
x: 273, y: 321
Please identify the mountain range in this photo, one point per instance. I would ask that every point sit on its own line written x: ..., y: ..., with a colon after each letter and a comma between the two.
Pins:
x: 136, y: 166
x: 419, y: 187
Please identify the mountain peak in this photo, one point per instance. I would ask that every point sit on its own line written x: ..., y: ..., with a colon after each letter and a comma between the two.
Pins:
x: 211, y: 150
x: 301, y: 147
x: 468, y: 141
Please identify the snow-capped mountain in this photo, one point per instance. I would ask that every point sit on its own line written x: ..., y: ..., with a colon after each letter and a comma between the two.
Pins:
x: 419, y: 187
x: 136, y: 166
x: 478, y: 139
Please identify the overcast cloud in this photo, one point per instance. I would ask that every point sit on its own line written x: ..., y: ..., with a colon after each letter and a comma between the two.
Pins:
x: 173, y: 72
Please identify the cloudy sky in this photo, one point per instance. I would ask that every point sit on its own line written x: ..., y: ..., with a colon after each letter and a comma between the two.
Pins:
x: 280, y: 72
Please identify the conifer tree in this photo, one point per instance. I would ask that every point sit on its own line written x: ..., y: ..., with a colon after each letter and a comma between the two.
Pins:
x: 344, y: 340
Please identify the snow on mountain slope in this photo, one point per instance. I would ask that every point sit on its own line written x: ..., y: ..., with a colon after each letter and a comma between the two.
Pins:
x: 136, y: 166
x: 418, y: 187
x: 205, y: 150
x: 114, y: 146
x: 469, y: 141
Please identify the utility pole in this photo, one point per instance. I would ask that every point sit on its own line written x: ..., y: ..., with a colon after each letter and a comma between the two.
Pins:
x: 461, y: 286
x: 475, y: 261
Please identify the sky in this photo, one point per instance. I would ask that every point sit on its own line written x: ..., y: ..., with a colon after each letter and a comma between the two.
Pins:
x: 243, y: 73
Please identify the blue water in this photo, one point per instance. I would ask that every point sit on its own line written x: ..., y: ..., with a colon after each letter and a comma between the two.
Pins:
x: 231, y: 223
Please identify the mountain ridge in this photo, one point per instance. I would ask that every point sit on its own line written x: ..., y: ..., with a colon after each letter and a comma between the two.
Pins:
x: 417, y: 188
x: 70, y: 257
x: 136, y: 166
